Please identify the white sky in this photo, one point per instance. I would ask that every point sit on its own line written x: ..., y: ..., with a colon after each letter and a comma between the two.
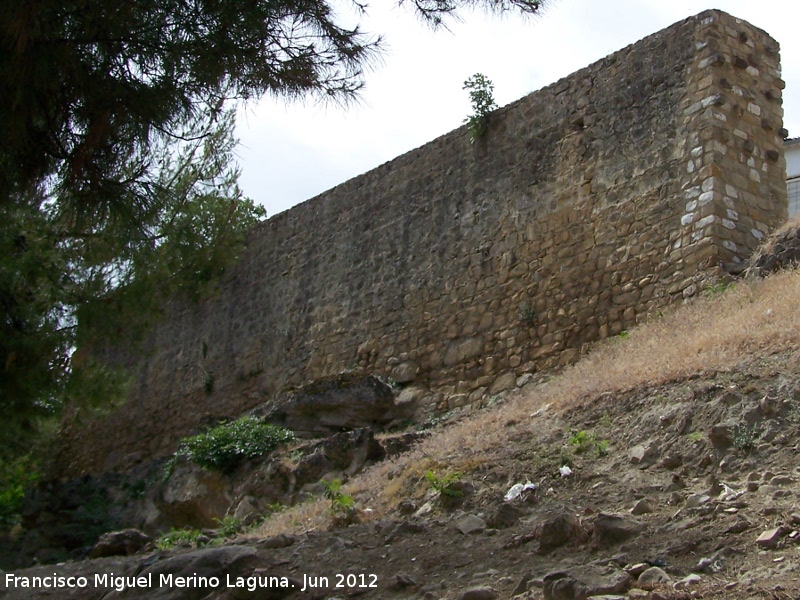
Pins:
x: 292, y: 152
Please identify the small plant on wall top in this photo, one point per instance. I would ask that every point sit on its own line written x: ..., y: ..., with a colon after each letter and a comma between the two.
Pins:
x: 480, y: 94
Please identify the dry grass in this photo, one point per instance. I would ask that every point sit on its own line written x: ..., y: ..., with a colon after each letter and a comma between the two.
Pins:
x: 309, y: 516
x: 714, y: 333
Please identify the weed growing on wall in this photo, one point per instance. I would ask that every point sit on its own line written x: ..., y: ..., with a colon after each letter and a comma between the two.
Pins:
x: 716, y: 289
x: 527, y: 313
x: 223, y: 447
x: 480, y: 94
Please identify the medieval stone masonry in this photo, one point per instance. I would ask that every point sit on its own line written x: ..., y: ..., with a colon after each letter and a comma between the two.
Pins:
x: 458, y: 267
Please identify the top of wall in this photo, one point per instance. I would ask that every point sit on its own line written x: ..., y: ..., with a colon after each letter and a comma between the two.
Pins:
x: 323, y: 203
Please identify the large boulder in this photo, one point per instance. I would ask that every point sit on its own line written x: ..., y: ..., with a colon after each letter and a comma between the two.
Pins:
x: 559, y: 529
x: 334, y: 404
x: 226, y: 563
x: 582, y: 582
x: 781, y: 251
x: 194, y: 497
x: 120, y: 543
x: 347, y: 452
x: 612, y: 529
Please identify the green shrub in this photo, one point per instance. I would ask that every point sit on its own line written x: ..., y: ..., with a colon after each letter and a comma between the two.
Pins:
x: 176, y: 537
x: 340, y: 503
x: 716, y: 289
x: 581, y: 441
x: 585, y: 441
x: 223, y: 447
x: 208, y: 382
x: 343, y: 506
x: 446, y: 484
x: 229, y: 526
x: 744, y: 436
x: 272, y: 509
x: 695, y: 436
x: 136, y: 489
x: 15, y: 477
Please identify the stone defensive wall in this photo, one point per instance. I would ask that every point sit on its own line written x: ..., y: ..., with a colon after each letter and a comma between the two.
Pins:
x: 459, y: 267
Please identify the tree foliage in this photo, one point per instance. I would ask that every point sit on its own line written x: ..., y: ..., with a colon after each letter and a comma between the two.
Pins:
x: 117, y: 182
x: 65, y: 283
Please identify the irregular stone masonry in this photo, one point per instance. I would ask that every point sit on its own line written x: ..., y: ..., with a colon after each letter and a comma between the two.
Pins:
x: 589, y: 205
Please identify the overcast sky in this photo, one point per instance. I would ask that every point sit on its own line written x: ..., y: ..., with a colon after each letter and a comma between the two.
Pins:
x: 292, y: 152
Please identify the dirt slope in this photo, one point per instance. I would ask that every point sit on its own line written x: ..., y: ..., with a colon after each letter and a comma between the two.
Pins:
x: 707, y: 462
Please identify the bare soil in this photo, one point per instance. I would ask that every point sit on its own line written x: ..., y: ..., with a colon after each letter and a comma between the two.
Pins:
x: 709, y: 462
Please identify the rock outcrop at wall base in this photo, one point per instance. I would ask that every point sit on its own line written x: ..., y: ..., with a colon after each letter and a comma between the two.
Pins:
x: 721, y: 524
x: 64, y: 519
x: 782, y: 251
x: 120, y: 543
x: 340, y: 403
x: 593, y: 203
x: 193, y: 497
